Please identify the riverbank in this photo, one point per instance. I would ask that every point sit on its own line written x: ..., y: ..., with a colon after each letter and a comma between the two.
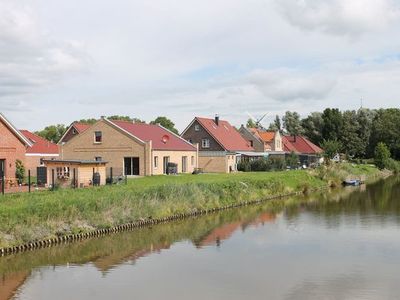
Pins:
x: 46, y: 215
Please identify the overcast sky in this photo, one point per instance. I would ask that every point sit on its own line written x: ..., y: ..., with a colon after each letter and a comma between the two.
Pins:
x: 65, y: 60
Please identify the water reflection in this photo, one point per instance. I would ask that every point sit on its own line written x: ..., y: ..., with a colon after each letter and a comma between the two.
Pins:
x: 273, y: 234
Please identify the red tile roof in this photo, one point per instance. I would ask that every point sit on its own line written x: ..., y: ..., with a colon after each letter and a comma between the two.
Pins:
x: 80, y: 127
x: 225, y: 134
x: 300, y: 144
x: 40, y: 145
x: 155, y: 133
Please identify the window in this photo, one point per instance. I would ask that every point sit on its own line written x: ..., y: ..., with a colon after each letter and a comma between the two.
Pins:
x: 251, y: 143
x: 98, y: 158
x: 192, y: 160
x: 205, y: 143
x: 73, y: 131
x: 62, y: 172
x: 184, y: 164
x: 197, y: 127
x: 155, y: 162
x: 97, y: 136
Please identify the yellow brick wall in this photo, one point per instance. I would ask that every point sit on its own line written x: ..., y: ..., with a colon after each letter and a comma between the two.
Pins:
x: 114, y: 147
x: 174, y: 157
x: 217, y: 164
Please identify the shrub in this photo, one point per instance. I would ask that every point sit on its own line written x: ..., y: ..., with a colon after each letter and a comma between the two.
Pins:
x: 20, y: 171
x: 382, y: 156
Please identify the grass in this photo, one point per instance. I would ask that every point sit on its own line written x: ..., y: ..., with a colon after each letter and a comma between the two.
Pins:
x: 27, y: 217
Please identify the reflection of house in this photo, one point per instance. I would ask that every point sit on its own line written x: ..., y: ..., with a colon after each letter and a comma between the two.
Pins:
x: 9, y: 284
x: 132, y: 148
x: 262, y: 140
x: 308, y: 152
x: 73, y: 130
x: 13, y: 146
x: 219, y: 143
x: 41, y: 149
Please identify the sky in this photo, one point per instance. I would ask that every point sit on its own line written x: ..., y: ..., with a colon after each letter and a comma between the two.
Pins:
x: 62, y: 61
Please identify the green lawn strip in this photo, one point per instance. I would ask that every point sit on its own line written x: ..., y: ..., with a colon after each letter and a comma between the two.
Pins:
x: 39, y: 215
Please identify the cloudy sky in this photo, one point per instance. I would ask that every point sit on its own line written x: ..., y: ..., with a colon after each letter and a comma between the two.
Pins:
x: 65, y: 60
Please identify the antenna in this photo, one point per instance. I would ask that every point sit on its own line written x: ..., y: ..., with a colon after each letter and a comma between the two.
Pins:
x: 361, y: 103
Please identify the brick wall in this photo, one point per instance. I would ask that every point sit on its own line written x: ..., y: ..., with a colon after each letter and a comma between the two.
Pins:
x: 174, y: 157
x: 196, y: 136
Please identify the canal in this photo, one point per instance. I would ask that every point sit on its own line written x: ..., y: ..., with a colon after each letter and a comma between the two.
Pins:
x: 342, y: 244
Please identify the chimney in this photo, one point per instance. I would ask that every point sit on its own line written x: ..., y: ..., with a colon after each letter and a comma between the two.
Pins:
x: 217, y: 119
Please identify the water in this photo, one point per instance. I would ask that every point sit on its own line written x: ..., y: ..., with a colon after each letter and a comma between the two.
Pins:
x: 339, y: 245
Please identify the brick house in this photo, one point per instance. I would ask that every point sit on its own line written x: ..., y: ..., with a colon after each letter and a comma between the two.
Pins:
x: 13, y: 145
x: 262, y: 140
x: 73, y: 130
x: 219, y: 144
x: 41, y: 149
x: 132, y: 148
x: 308, y: 152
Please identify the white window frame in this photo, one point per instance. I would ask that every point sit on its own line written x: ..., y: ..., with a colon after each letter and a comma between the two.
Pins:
x: 205, y: 143
x: 101, y: 137
x: 196, y: 127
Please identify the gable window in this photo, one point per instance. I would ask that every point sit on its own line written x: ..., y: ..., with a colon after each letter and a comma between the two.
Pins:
x: 98, y: 137
x: 205, y: 143
x: 197, y: 127
x: 98, y: 158
x: 251, y: 143
x: 73, y: 131
x: 155, y: 162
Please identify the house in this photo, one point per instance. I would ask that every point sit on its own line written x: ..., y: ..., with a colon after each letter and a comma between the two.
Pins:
x: 76, y: 173
x: 41, y: 149
x: 131, y: 148
x: 13, y: 146
x: 262, y: 140
x: 73, y: 130
x: 219, y: 142
x: 308, y: 152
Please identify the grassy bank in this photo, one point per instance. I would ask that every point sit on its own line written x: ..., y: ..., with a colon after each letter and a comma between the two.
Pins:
x: 27, y: 217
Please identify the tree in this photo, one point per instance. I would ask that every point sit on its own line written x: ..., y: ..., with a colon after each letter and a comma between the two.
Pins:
x: 276, y: 125
x: 90, y: 121
x: 332, y: 124
x: 382, y: 155
x: 351, y: 141
x: 364, y: 118
x: 312, y: 126
x: 331, y: 148
x: 19, y: 171
x: 292, y: 123
x: 250, y: 123
x: 52, y: 133
x: 165, y: 122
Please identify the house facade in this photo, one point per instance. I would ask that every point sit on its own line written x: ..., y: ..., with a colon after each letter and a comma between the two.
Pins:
x: 219, y: 144
x: 13, y: 145
x: 308, y: 152
x: 40, y: 150
x: 262, y: 140
x: 132, y: 149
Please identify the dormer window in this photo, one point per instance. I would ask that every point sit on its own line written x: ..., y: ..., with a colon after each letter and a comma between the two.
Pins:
x: 98, y: 136
x: 197, y: 127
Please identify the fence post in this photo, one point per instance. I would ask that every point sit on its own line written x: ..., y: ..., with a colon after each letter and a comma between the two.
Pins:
x: 74, y: 179
x: 29, y: 181
x: 3, y: 183
x: 111, y: 176
x: 52, y: 179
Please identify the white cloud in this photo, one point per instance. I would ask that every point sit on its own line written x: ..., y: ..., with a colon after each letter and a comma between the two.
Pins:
x: 340, y: 17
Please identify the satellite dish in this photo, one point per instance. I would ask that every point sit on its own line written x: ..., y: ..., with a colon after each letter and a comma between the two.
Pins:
x: 165, y: 138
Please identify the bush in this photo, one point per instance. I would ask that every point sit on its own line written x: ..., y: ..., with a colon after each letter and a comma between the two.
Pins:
x: 393, y: 165
x: 382, y: 156
x: 262, y: 165
x: 20, y: 171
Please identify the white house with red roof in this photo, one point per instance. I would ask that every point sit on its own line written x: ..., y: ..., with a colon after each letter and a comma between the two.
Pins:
x: 220, y: 144
x: 40, y: 150
x: 132, y: 149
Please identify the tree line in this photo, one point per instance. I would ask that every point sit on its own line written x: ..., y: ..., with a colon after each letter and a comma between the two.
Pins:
x: 355, y: 133
x: 54, y: 133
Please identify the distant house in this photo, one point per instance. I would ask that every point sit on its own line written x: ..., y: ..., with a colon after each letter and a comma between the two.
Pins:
x: 73, y: 130
x: 308, y: 152
x: 219, y: 144
x: 131, y: 148
x: 41, y: 149
x: 13, y: 146
x: 262, y: 140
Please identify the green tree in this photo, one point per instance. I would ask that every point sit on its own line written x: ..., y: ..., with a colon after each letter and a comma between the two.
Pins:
x: 292, y: 123
x: 52, y: 133
x: 312, y: 126
x: 350, y: 138
x: 90, y: 121
x: 165, y: 122
x: 250, y: 123
x: 332, y: 124
x: 19, y: 171
x: 364, y: 118
x: 276, y: 125
x: 331, y: 148
x: 382, y: 155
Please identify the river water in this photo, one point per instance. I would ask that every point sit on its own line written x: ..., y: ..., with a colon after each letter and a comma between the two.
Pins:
x: 342, y: 244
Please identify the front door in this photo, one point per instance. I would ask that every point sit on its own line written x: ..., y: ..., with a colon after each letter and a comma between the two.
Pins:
x: 131, y: 166
x: 2, y: 174
x: 165, y: 164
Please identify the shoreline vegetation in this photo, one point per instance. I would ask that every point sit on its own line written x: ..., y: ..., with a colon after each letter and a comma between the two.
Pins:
x: 45, y: 215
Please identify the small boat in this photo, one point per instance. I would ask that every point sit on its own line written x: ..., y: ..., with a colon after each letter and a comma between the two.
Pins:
x: 352, y: 182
